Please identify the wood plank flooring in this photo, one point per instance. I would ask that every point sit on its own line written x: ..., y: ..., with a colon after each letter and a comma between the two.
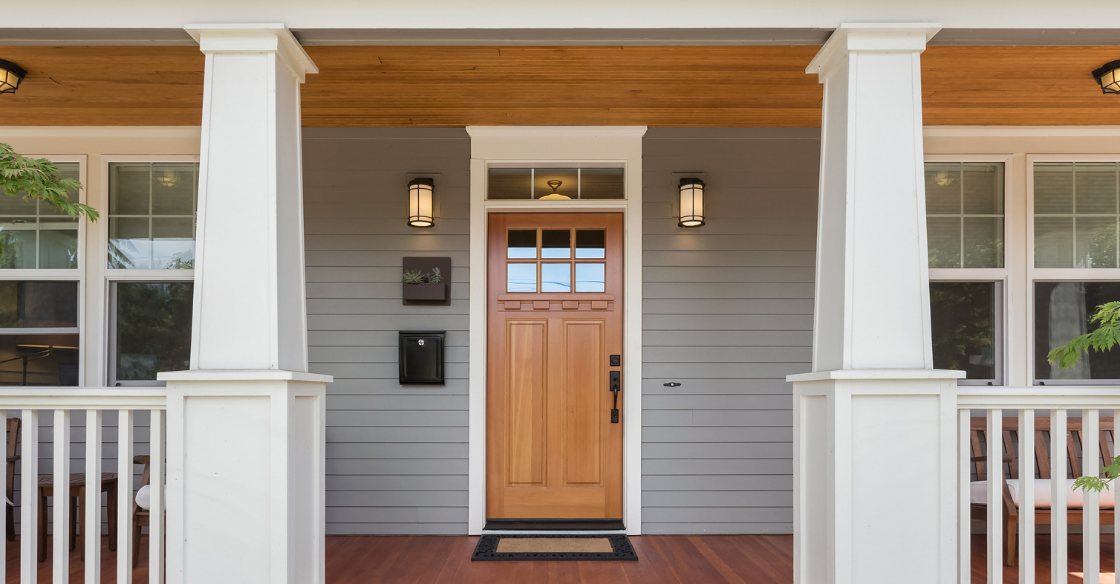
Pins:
x: 663, y: 559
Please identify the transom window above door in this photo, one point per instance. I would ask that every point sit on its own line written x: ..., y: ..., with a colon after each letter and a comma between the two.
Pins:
x: 556, y: 183
x: 552, y: 260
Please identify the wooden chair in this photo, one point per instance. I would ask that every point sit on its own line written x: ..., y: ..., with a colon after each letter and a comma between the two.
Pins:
x: 140, y: 516
x: 13, y: 444
x: 978, y: 433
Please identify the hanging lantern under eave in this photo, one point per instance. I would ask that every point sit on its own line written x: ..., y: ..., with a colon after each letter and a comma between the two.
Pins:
x: 11, y: 75
x: 692, y: 202
x: 1109, y: 77
x: 420, y: 202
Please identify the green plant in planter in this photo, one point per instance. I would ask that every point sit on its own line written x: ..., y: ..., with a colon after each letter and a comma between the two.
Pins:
x: 38, y: 179
x: 1104, y: 338
x: 434, y: 277
x: 413, y: 277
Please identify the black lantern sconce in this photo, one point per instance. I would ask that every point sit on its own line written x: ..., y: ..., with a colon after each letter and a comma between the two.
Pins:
x: 1108, y: 77
x: 692, y: 202
x: 420, y: 212
x: 11, y: 75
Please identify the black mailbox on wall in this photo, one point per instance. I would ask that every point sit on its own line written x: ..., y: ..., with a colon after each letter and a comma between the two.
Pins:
x: 421, y: 356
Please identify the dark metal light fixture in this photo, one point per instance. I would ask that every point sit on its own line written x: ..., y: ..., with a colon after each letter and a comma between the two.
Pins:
x: 692, y: 202
x: 420, y: 202
x: 11, y: 75
x: 1109, y: 77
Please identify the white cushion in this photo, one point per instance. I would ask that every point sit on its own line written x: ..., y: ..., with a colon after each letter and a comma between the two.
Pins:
x: 144, y: 497
x: 1074, y: 499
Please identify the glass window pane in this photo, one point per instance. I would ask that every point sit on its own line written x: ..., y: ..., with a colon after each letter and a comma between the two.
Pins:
x: 1095, y: 242
x: 509, y: 183
x: 590, y: 243
x: 982, y: 184
x: 15, y: 205
x: 19, y: 246
x: 602, y: 183
x: 1061, y: 312
x: 556, y: 243
x: 1053, y: 187
x: 153, y: 328
x: 172, y: 243
x: 591, y: 278
x: 983, y: 242
x: 43, y: 360
x: 1053, y: 242
x: 556, y: 183
x: 944, y: 238
x: 38, y: 304
x: 556, y: 277
x: 130, y: 245
x: 943, y: 188
x: 1095, y: 188
x: 521, y: 244
x: 963, y: 316
x: 173, y: 189
x: 58, y: 243
x: 129, y: 189
x: 521, y: 277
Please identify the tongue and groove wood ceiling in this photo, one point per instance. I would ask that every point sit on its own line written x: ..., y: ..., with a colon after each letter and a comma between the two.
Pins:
x: 748, y: 86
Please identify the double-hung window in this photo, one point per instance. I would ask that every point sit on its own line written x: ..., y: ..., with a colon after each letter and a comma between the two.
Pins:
x: 965, y: 202
x: 150, y: 261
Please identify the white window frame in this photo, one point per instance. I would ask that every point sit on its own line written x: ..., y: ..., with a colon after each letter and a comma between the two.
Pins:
x: 1057, y: 274
x: 1001, y: 276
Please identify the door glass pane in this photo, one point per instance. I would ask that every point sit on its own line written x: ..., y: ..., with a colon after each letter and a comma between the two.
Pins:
x: 1053, y: 242
x: 1095, y: 242
x: 522, y: 244
x: 943, y: 188
x: 1061, y: 312
x: 38, y: 304
x: 1053, y: 187
x: 963, y: 316
x: 172, y: 243
x: 521, y: 277
x: 43, y: 360
x: 130, y: 245
x: 590, y: 244
x: 1095, y: 188
x: 153, y: 328
x: 983, y: 242
x: 591, y: 278
x: 944, y: 236
x: 556, y: 244
x: 556, y: 277
x: 509, y: 183
x: 601, y: 183
x: 556, y: 183
x: 129, y: 189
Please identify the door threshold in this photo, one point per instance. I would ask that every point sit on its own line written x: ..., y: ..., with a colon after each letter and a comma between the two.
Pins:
x: 559, y: 525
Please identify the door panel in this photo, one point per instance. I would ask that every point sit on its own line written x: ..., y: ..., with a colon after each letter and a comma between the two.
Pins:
x: 552, y: 450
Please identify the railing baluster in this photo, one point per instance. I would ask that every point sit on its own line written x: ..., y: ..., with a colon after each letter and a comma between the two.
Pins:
x: 29, y: 498
x: 61, y: 496
x: 155, y: 510
x: 1026, y: 496
x: 1090, y: 509
x: 91, y: 529
x: 964, y: 499
x: 1058, y: 531
x: 125, y: 437
x: 995, y: 496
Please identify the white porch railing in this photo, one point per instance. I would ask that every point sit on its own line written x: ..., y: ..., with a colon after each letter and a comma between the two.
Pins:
x: 1055, y: 403
x: 29, y: 401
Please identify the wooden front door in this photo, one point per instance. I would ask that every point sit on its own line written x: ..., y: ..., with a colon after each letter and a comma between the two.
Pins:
x: 554, y: 302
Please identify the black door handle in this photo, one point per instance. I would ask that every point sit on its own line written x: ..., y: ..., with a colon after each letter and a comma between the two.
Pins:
x: 616, y: 386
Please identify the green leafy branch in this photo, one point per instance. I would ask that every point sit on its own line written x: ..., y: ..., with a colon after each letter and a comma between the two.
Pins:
x: 37, y: 178
x: 1098, y: 484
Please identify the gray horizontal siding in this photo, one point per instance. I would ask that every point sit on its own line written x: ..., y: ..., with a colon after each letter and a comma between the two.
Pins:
x: 728, y: 314
x: 396, y: 455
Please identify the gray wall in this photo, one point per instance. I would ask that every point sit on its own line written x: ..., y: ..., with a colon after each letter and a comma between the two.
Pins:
x: 396, y: 455
x: 728, y: 314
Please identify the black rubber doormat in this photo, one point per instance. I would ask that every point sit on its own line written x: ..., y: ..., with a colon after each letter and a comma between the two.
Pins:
x: 613, y: 547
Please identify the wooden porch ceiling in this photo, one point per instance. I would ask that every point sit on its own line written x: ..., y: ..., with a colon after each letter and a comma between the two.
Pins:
x: 746, y: 86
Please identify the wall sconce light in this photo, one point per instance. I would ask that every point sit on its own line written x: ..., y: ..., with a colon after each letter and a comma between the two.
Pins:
x: 11, y: 75
x: 1107, y: 76
x: 692, y: 202
x: 420, y: 202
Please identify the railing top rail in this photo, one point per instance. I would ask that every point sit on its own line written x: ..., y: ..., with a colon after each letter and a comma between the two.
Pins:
x: 1041, y: 397
x: 83, y: 398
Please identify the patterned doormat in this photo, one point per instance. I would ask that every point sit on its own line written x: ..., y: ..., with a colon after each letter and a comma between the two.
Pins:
x: 554, y: 548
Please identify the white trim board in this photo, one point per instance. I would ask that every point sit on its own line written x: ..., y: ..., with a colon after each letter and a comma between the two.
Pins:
x: 549, y: 146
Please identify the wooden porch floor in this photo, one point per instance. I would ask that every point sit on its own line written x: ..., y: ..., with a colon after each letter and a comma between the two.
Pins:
x: 664, y: 559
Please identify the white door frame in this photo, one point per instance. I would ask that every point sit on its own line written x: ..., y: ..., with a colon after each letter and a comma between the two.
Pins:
x: 568, y: 147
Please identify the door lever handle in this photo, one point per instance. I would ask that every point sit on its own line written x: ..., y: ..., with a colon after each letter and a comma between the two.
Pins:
x: 616, y: 386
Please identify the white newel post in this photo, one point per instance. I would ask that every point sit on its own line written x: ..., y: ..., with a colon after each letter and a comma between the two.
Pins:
x: 245, y: 425
x: 874, y: 424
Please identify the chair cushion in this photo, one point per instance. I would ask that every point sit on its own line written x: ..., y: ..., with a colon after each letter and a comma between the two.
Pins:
x: 144, y: 497
x: 1074, y: 499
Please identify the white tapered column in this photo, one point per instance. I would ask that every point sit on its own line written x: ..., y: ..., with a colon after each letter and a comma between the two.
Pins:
x: 874, y: 424
x: 245, y: 425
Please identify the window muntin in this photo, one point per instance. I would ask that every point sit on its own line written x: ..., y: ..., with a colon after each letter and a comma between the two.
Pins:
x: 556, y: 183
x: 34, y: 235
x: 965, y: 214
x: 1076, y: 213
x: 152, y: 207
x: 966, y: 329
x: 39, y: 333
x: 150, y: 330
x: 1061, y: 312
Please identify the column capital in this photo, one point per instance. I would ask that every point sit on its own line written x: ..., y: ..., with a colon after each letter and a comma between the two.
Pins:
x: 254, y: 38
x: 871, y: 37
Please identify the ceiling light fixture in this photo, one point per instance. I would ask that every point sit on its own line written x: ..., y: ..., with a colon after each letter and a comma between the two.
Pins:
x: 555, y: 184
x: 1108, y: 77
x: 11, y: 75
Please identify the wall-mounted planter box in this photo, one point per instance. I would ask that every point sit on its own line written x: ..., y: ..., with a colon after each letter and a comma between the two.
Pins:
x: 427, y: 294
